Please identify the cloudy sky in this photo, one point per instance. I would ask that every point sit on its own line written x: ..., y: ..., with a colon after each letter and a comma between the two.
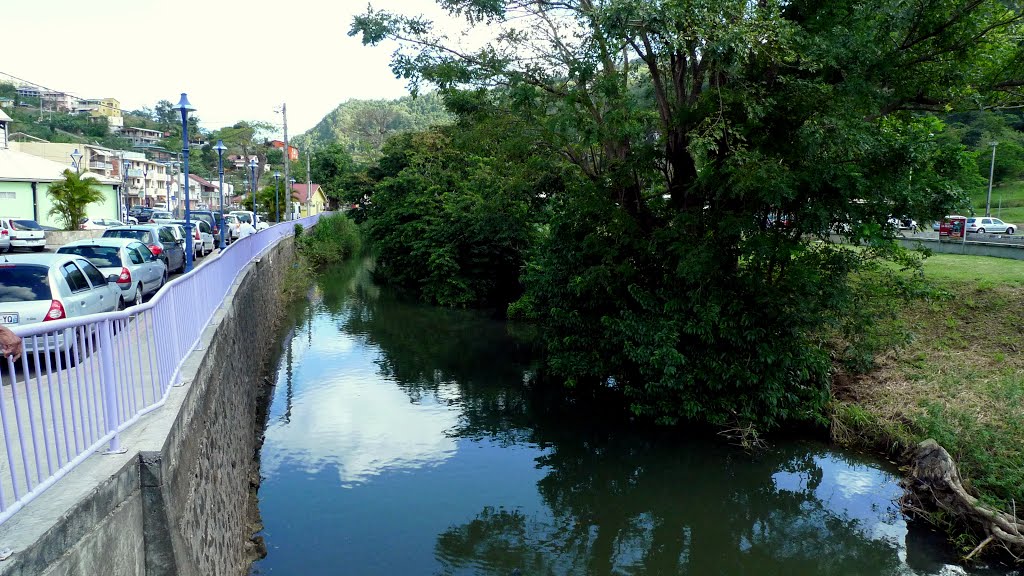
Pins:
x: 132, y: 50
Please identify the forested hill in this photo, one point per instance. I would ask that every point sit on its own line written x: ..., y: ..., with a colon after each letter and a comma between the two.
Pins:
x: 364, y: 125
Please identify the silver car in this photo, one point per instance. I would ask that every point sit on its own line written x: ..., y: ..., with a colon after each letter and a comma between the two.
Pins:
x: 43, y: 287
x: 983, y: 224
x: 139, y: 272
x: 23, y: 233
x: 202, y: 237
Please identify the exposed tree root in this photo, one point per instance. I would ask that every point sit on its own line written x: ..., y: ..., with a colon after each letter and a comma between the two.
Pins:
x: 935, y: 481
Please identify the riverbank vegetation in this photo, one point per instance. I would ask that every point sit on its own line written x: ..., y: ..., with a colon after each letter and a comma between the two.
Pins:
x: 957, y: 377
x: 333, y: 240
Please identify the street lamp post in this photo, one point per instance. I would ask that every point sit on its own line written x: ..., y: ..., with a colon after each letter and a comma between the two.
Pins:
x: 145, y: 185
x: 184, y: 107
x: 167, y: 172
x: 277, y: 210
x: 220, y: 148
x: 125, y: 163
x: 76, y: 160
x: 991, y: 173
x: 253, y: 165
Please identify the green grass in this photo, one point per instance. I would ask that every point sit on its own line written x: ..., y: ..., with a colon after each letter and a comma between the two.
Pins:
x: 975, y: 270
x: 1012, y: 196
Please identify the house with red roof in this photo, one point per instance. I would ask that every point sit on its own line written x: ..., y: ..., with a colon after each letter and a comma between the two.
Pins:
x: 308, y: 200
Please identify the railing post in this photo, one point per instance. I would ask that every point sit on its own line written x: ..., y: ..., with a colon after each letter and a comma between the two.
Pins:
x: 109, y: 379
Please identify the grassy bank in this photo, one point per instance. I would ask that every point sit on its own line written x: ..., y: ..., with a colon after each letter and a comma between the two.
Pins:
x: 333, y: 240
x: 958, y: 378
x: 1011, y: 196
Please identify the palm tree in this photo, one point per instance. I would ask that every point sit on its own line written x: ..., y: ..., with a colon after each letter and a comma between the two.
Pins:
x: 70, y: 197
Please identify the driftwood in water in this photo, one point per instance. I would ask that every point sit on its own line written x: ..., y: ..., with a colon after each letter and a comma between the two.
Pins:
x: 935, y: 481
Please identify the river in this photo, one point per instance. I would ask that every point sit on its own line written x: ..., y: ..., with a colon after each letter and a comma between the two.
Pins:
x: 406, y: 440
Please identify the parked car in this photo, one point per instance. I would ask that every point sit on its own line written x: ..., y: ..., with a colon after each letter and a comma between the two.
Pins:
x: 246, y: 216
x: 98, y: 223
x: 142, y: 216
x: 43, y: 287
x: 202, y: 237
x: 232, y: 222
x: 903, y: 223
x: 160, y: 239
x: 985, y: 224
x: 161, y: 215
x: 160, y: 206
x: 213, y: 220
x: 5, y: 239
x: 139, y: 272
x: 23, y: 233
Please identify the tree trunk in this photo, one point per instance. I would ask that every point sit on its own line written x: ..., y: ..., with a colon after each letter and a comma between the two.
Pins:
x: 935, y: 482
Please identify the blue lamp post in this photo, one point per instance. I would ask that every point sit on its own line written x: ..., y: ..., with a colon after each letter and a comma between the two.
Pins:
x: 252, y: 179
x: 220, y: 148
x: 184, y: 107
x: 125, y: 166
x: 277, y: 211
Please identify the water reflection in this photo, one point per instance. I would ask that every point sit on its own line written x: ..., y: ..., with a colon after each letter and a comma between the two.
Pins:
x: 454, y: 465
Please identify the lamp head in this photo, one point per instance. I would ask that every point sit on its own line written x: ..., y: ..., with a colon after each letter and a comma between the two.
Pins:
x: 220, y: 147
x: 183, y: 105
x: 276, y: 174
x: 76, y: 156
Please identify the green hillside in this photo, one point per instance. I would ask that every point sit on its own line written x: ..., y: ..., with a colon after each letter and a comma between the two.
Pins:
x: 1011, y: 196
x: 363, y: 125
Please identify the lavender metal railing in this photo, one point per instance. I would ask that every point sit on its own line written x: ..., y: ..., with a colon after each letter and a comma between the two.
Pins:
x: 84, y: 380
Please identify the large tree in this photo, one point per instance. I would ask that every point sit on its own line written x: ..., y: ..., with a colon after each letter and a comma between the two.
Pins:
x: 721, y: 142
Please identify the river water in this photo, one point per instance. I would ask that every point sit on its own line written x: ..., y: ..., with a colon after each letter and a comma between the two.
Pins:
x: 406, y: 440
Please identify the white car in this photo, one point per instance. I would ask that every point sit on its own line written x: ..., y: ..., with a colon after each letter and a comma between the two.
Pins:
x: 246, y: 216
x: 23, y: 233
x: 42, y: 287
x: 202, y: 237
x: 139, y: 272
x: 98, y: 223
x: 232, y: 222
x: 983, y: 224
x: 903, y: 223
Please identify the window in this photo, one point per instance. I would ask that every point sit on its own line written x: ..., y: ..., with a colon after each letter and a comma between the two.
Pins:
x: 8, y: 195
x: 142, y: 235
x: 144, y: 251
x: 134, y: 255
x: 166, y: 235
x: 25, y: 225
x: 103, y: 256
x: 95, y: 276
x: 23, y: 283
x: 74, y: 277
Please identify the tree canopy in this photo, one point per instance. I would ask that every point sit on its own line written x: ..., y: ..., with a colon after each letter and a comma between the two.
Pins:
x: 71, y: 197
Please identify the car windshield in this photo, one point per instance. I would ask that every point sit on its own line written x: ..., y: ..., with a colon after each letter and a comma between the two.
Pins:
x: 162, y: 215
x: 23, y: 283
x: 133, y: 234
x: 25, y: 225
x: 102, y: 256
x: 243, y: 218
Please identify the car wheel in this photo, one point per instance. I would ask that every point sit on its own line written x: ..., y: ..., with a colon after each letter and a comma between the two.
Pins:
x: 138, y: 295
x: 980, y: 230
x: 1009, y: 230
x: 120, y: 303
x: 163, y: 280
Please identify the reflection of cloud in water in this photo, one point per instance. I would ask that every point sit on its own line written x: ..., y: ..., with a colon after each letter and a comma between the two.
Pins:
x: 858, y: 481
x: 337, y: 422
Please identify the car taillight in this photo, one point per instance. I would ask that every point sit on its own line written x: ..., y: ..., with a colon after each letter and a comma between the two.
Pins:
x: 216, y: 230
x: 156, y: 250
x: 197, y: 237
x: 56, y: 311
x: 3, y: 232
x: 125, y: 277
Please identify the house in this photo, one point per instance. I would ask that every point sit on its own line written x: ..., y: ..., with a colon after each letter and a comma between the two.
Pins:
x: 293, y: 152
x: 142, y: 137
x: 25, y: 180
x: 102, y: 109
x: 309, y: 200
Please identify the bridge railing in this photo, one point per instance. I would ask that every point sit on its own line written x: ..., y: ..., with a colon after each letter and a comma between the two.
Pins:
x: 82, y: 381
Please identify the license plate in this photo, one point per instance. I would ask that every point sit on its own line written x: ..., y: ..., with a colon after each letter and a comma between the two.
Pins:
x: 8, y: 317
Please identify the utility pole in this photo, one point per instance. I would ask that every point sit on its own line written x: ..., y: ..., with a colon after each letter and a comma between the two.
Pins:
x: 309, y: 181
x: 287, y: 155
x: 991, y: 173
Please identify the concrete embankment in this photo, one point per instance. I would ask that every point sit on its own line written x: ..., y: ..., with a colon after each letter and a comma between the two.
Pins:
x: 178, y: 502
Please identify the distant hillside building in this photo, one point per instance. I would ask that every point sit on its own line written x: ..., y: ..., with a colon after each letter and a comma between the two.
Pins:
x: 293, y: 152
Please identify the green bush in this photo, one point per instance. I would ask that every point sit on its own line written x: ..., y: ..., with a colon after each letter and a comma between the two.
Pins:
x: 333, y: 240
x: 298, y: 231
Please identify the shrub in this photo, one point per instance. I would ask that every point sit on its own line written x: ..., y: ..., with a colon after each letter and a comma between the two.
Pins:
x: 333, y: 240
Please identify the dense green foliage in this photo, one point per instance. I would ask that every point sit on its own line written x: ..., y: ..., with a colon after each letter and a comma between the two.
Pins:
x: 714, y: 145
x: 362, y: 126
x: 333, y: 240
x: 71, y: 197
